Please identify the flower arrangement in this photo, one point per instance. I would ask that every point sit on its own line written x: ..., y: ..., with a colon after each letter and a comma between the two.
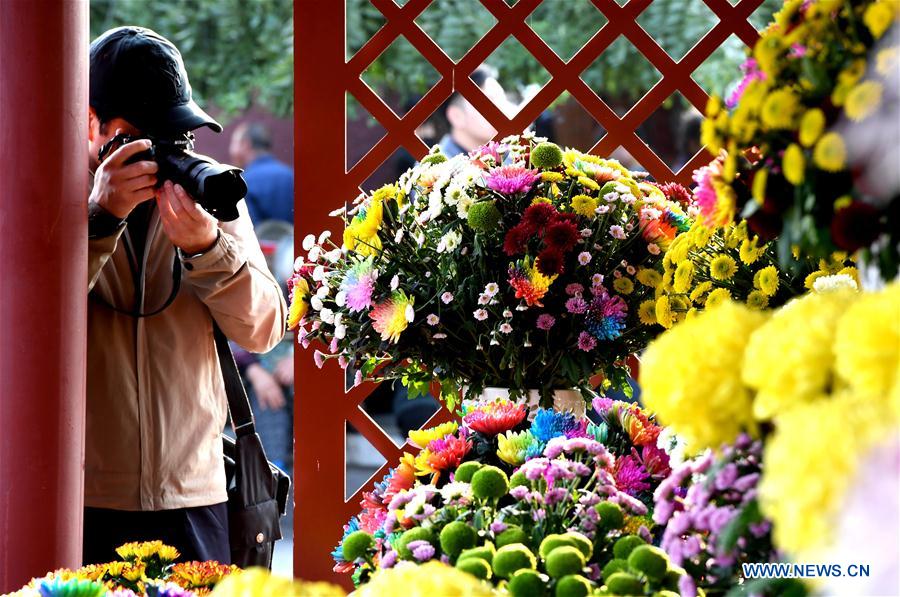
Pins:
x: 430, y: 579
x: 514, y: 266
x: 815, y: 76
x: 148, y: 569
x: 704, y: 267
x: 818, y: 375
x: 496, y: 495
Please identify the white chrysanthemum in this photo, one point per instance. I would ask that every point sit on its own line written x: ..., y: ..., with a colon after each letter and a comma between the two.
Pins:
x: 308, y: 241
x: 834, y: 283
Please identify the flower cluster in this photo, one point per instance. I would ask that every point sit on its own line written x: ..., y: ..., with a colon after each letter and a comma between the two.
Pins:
x: 518, y: 491
x: 146, y: 568
x: 525, y: 252
x: 705, y: 267
x: 821, y: 371
x: 815, y: 79
x: 710, y: 510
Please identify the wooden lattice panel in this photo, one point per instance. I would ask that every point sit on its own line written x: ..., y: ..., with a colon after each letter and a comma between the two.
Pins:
x: 323, y: 77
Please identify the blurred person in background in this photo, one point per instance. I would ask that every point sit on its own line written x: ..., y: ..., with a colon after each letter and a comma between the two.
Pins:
x: 468, y: 128
x: 269, y: 377
x: 270, y: 182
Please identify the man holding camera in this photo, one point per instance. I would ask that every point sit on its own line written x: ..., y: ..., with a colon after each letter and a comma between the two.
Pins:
x: 161, y: 271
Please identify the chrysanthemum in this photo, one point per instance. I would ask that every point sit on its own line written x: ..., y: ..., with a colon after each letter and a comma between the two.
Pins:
x: 510, y: 180
x: 299, y: 305
x: 766, y: 280
x: 359, y: 285
x: 663, y: 312
x: 447, y: 453
x: 548, y: 424
x: 630, y: 476
x: 494, y: 418
x: 717, y: 297
x: 690, y: 376
x: 584, y: 205
x: 513, y: 447
x: 606, y: 316
x: 830, y: 153
x: 793, y: 164
x: 722, y: 267
x: 780, y: 109
x: 684, y: 276
x: 647, y: 312
x: 811, y: 126
x: 586, y: 342
x: 361, y: 235
x: 422, y: 437
x: 391, y: 317
x: 757, y: 300
x: 649, y: 277
x: 529, y: 283
x: 545, y: 321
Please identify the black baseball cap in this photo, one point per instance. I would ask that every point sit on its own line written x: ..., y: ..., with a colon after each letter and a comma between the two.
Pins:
x: 138, y: 75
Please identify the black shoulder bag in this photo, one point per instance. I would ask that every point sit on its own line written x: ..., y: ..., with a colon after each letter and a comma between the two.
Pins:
x: 257, y: 489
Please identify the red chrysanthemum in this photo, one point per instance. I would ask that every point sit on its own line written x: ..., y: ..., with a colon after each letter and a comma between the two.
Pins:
x: 550, y: 261
x: 448, y: 453
x: 495, y: 418
x: 516, y: 240
x: 675, y: 192
x: 404, y: 478
x: 539, y: 215
x: 562, y: 235
x: 855, y: 226
x: 567, y: 216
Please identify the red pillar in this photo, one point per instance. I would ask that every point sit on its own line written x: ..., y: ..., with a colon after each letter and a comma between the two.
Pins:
x: 43, y: 276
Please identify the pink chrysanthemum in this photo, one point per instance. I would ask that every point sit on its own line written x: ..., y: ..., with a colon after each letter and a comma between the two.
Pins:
x: 545, y: 321
x: 495, y: 418
x: 586, y: 342
x: 510, y: 180
x: 630, y: 476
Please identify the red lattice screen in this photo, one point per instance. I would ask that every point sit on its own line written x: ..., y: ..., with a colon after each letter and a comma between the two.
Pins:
x: 323, y: 77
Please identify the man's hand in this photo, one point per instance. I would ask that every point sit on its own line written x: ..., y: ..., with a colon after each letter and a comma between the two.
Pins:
x: 284, y: 371
x: 119, y: 187
x: 267, y: 389
x: 188, y: 226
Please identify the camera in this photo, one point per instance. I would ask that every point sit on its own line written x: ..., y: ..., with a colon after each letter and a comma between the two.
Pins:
x: 216, y: 187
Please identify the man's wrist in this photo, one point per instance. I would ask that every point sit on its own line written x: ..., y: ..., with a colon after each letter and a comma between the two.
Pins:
x: 193, y: 252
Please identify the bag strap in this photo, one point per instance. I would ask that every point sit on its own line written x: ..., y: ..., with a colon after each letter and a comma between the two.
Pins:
x: 238, y: 404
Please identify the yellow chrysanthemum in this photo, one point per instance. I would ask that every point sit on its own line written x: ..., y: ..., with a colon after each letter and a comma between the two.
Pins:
x: 760, y: 178
x: 863, y: 100
x: 361, y: 235
x: 391, y: 317
x: 749, y: 252
x: 713, y: 106
x: 647, y: 312
x: 779, y: 110
x: 258, y: 581
x: 879, y: 16
x: 700, y: 234
x: 299, y: 306
x: 584, y: 205
x: 537, y: 200
x: 422, y: 437
x: 431, y: 578
x: 830, y: 152
x: 757, y: 300
x: 766, y: 280
x: 811, y: 126
x: 589, y: 183
x: 678, y: 249
x: 663, y: 312
x: 690, y: 376
x: 684, y: 276
x: 789, y: 360
x: 623, y: 285
x: 722, y: 267
x: 810, y: 280
x: 423, y: 463
x: 552, y: 176
x: 867, y: 344
x: 793, y: 163
x: 700, y: 290
x: 512, y: 446
x: 649, y: 277
x: 810, y: 464
x: 717, y: 297
x: 767, y: 52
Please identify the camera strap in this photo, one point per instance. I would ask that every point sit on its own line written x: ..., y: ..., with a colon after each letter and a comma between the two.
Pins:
x: 136, y: 312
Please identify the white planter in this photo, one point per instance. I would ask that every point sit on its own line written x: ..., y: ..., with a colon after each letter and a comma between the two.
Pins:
x: 563, y: 400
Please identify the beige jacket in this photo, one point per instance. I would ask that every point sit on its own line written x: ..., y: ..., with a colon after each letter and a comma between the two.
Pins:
x: 156, y: 403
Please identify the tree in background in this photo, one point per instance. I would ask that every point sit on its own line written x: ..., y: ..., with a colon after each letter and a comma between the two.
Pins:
x: 237, y: 52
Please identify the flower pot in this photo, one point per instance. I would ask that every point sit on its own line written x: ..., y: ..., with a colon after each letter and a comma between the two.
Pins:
x: 563, y: 400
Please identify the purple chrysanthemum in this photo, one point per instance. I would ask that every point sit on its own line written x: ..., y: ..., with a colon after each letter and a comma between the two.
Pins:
x: 606, y: 316
x: 510, y: 180
x: 586, y: 342
x: 545, y: 321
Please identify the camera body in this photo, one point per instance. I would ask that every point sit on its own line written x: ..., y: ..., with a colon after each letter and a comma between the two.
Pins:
x: 216, y: 187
